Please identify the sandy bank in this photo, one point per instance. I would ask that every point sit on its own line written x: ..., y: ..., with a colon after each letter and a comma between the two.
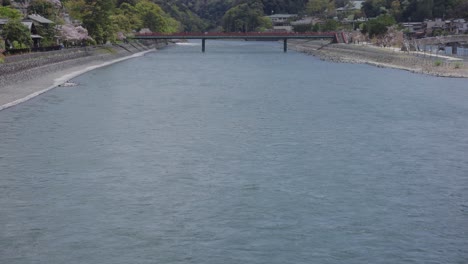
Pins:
x: 383, y: 57
x: 27, y: 83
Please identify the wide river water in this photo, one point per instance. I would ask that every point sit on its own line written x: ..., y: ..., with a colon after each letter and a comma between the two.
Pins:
x: 243, y: 154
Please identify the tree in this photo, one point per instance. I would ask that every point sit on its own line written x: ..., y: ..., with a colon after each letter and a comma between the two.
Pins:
x: 457, y: 8
x: 44, y: 8
x: 246, y: 17
x: 74, y: 35
x: 378, y: 26
x: 283, y: 6
x: 96, y: 19
x: 154, y: 18
x: 301, y: 28
x: 76, y: 8
x: 316, y: 7
x: 8, y: 12
x: 126, y: 18
x: 15, y: 31
x: 374, y: 8
x: 396, y: 10
x: 330, y: 25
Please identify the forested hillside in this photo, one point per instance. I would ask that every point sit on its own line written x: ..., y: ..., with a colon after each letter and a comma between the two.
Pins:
x: 417, y: 10
x: 113, y: 19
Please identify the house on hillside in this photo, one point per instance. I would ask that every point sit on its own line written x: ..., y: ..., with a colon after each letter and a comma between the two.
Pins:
x: 32, y: 22
x: 305, y: 21
x: 352, y: 6
x: 459, y: 26
x: 434, y: 26
x: 414, y: 29
x: 282, y: 22
x: 3, y: 21
x: 35, y: 21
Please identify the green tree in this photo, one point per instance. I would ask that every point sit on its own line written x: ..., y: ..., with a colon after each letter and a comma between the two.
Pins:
x: 96, y: 19
x: 188, y: 18
x: 76, y: 8
x: 48, y: 33
x: 154, y: 18
x: 378, y: 26
x: 43, y: 8
x: 283, y: 6
x: 330, y: 25
x: 396, y: 9
x: 126, y: 18
x: 129, y: 2
x: 302, y: 28
x: 418, y: 10
x: 316, y: 7
x: 374, y: 8
x: 246, y: 17
x: 15, y: 31
x: 8, y: 12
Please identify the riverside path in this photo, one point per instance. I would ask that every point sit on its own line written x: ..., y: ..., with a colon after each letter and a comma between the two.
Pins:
x: 336, y: 37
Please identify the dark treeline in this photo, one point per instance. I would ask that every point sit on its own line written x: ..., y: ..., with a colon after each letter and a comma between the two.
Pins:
x: 416, y: 10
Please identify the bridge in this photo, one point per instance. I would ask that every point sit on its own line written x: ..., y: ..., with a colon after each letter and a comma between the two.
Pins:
x: 336, y: 37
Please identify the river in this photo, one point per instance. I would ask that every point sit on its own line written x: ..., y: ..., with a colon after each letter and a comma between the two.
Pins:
x: 242, y: 154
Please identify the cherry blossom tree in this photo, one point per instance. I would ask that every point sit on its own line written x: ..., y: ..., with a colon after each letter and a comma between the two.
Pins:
x: 74, y: 35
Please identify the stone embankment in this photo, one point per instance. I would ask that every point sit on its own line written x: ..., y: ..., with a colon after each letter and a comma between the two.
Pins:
x: 384, y: 57
x: 19, y: 68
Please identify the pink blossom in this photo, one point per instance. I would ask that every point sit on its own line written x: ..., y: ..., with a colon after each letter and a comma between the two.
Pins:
x: 121, y: 36
x: 70, y: 32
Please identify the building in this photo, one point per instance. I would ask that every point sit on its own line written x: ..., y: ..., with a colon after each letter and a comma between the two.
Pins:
x: 435, y: 25
x: 350, y: 7
x: 459, y: 26
x: 32, y: 22
x: 414, y: 29
x: 282, y: 22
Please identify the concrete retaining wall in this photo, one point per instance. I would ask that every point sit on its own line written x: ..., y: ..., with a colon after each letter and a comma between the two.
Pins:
x: 24, y: 67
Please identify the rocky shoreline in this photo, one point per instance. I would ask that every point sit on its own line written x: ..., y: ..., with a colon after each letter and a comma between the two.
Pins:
x: 383, y: 57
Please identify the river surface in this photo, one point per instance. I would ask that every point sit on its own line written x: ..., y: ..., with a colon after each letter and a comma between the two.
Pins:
x: 243, y: 154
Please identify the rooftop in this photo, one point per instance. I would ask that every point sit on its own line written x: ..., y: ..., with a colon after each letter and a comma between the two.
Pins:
x: 282, y: 15
x: 40, y: 19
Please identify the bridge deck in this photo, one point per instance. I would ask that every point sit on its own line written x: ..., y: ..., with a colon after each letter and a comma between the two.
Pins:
x: 250, y: 35
x: 235, y: 35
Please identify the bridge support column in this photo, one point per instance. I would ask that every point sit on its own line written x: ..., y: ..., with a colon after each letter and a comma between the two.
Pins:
x: 203, y: 45
x: 285, y: 45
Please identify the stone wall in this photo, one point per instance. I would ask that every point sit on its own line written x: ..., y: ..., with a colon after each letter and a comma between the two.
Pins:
x: 24, y: 67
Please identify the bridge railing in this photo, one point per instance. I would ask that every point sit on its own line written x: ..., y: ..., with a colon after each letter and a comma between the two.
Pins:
x: 237, y: 34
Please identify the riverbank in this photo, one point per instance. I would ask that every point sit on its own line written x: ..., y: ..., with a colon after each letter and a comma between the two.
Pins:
x: 443, y: 66
x: 23, y: 77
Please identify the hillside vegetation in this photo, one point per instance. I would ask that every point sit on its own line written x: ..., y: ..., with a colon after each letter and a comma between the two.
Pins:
x: 109, y: 20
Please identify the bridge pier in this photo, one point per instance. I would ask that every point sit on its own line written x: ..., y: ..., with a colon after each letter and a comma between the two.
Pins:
x: 285, y: 45
x: 203, y: 45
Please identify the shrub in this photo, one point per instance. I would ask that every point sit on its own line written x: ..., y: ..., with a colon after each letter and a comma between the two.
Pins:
x: 458, y: 65
x: 437, y: 63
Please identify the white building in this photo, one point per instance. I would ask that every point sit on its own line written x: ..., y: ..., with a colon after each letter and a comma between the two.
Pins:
x: 282, y: 22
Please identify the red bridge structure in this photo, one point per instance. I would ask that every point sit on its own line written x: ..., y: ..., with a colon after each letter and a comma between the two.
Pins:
x: 336, y: 37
